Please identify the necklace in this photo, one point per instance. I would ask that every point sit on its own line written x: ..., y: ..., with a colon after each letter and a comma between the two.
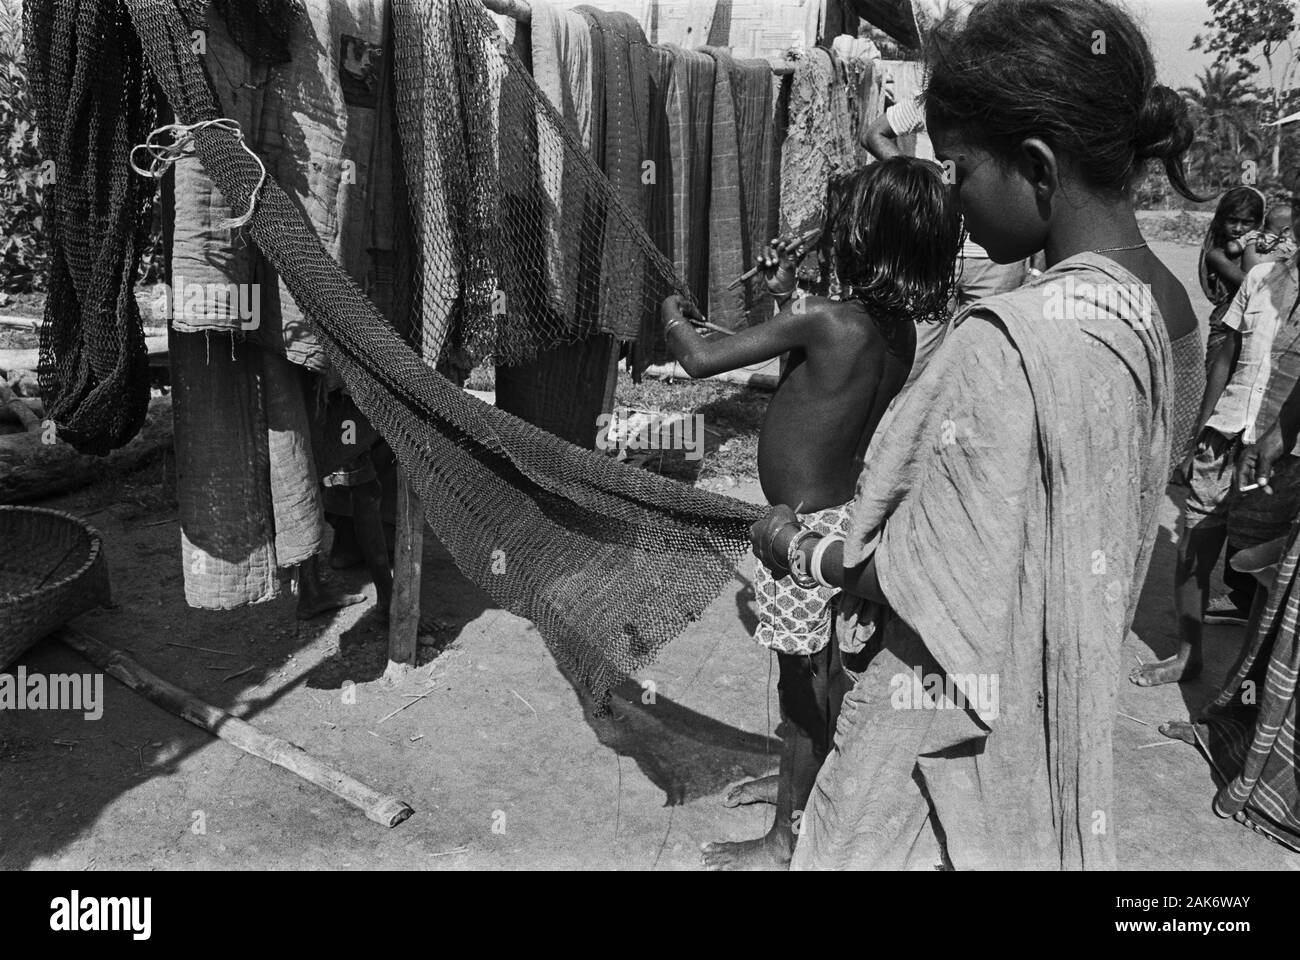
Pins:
x: 1131, y: 246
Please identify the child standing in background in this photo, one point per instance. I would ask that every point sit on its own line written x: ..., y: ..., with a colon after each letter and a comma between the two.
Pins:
x: 1221, y: 271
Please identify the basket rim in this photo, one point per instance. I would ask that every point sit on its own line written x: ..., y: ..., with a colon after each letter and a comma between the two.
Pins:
x: 96, y: 548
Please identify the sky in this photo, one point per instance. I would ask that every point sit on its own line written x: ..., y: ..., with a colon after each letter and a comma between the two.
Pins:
x: 1171, y: 25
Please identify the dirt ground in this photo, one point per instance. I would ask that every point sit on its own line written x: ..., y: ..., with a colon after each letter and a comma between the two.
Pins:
x: 502, y: 761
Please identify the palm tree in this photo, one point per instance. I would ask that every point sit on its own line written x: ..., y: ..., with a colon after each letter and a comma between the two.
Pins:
x: 1225, y: 109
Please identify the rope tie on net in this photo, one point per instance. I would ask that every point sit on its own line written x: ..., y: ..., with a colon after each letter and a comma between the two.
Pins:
x: 164, y: 154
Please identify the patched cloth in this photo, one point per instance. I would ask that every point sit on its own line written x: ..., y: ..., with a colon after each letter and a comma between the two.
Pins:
x: 794, y: 619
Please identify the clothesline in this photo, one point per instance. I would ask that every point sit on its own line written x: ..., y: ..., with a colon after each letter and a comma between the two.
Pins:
x: 521, y: 11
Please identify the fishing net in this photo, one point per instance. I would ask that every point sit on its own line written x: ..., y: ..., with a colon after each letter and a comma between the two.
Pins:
x: 93, y: 103
x: 609, y: 562
x: 524, y: 243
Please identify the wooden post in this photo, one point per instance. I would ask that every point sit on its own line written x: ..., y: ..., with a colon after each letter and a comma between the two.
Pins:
x: 408, y: 565
x: 385, y: 810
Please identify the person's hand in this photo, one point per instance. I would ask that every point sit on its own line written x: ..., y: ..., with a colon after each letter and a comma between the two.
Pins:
x: 778, y: 264
x: 769, y: 547
x: 1255, y: 462
x: 677, y: 307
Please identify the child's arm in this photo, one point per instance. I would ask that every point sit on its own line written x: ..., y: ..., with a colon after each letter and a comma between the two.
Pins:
x: 793, y: 327
x: 1257, y: 251
x: 1219, y: 261
x: 1219, y: 374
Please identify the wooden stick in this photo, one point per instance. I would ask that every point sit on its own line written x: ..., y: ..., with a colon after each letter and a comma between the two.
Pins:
x: 31, y: 423
x: 187, y: 646
x: 408, y: 570
x: 712, y: 326
x: 385, y: 810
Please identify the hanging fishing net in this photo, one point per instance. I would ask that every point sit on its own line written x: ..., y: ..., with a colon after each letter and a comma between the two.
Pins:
x: 609, y: 562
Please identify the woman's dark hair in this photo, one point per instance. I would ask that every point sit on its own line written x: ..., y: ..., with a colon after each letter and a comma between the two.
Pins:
x: 1077, y: 74
x: 1243, y: 203
x: 896, y: 233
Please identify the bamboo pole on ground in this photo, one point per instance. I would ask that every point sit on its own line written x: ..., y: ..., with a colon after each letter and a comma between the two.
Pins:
x: 31, y: 423
x: 385, y: 810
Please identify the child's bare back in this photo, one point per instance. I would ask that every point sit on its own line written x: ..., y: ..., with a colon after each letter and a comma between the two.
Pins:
x: 832, y: 395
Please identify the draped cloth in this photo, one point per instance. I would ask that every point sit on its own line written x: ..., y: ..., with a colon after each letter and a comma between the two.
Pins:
x: 1249, y: 732
x: 562, y: 69
x: 1009, y: 499
x: 689, y: 106
x: 742, y: 218
x: 818, y: 146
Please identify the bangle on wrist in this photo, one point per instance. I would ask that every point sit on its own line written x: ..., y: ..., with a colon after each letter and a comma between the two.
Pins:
x: 819, y: 554
x: 777, y: 555
x: 668, y: 327
x: 792, y: 555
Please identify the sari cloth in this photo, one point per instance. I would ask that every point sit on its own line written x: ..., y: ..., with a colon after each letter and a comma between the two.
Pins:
x: 1249, y: 732
x: 1009, y: 498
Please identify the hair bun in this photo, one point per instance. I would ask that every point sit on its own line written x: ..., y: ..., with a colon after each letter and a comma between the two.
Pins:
x: 1164, y: 127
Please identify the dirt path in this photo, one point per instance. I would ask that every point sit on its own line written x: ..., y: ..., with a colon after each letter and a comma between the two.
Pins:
x: 503, y: 742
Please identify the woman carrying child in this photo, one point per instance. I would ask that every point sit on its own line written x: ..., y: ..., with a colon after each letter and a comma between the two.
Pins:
x: 1004, y: 519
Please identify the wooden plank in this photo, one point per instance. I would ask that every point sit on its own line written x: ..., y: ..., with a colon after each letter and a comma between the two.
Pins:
x: 408, y: 568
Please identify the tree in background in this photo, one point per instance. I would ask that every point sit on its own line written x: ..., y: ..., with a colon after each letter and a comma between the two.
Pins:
x: 23, y: 251
x: 1239, y: 28
x: 1223, y: 107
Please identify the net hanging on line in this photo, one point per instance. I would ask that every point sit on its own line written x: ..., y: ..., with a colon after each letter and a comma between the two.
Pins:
x: 609, y: 562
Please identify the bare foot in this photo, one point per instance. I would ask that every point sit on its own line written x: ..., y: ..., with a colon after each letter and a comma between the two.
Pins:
x: 1181, y: 666
x: 1179, y: 730
x: 770, y: 852
x: 312, y: 603
x: 758, y: 790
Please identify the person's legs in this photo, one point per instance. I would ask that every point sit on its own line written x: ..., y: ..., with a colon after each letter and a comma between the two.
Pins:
x: 1203, y: 534
x: 369, y: 527
x: 1235, y: 607
x: 316, y: 595
x: 799, y: 712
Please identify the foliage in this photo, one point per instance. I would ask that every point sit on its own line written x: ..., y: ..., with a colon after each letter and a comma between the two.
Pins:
x: 23, y: 251
x: 1240, y: 31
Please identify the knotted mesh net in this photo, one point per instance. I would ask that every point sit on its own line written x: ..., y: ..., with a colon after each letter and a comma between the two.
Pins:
x: 94, y: 101
x: 609, y: 562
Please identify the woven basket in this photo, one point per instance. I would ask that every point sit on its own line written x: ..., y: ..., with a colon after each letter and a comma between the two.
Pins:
x: 51, y: 569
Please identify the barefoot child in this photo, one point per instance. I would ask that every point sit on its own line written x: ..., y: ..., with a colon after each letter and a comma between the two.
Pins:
x: 896, y: 236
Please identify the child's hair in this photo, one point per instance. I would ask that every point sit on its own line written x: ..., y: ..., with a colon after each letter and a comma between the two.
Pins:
x: 896, y: 233
x: 1077, y: 74
x: 1242, y: 203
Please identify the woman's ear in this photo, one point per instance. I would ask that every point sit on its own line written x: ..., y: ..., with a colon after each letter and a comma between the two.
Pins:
x: 1040, y: 167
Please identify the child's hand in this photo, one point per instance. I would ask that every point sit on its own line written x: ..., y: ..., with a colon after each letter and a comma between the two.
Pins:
x: 778, y: 263
x: 677, y: 307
